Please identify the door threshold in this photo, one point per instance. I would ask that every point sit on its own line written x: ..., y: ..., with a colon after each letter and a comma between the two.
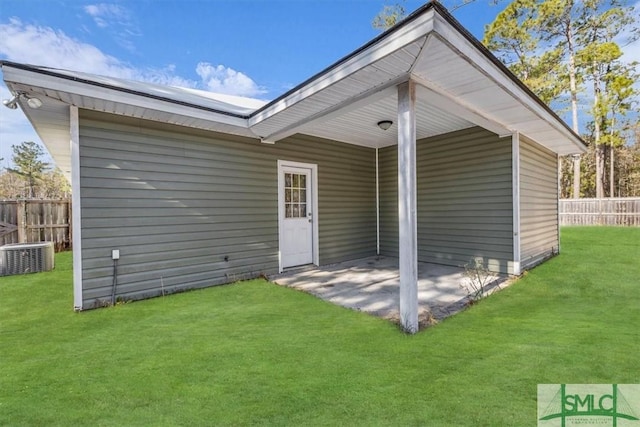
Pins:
x: 295, y: 269
x: 303, y: 267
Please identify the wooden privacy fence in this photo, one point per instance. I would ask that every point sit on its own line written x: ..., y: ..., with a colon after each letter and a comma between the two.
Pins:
x: 32, y: 221
x: 613, y: 211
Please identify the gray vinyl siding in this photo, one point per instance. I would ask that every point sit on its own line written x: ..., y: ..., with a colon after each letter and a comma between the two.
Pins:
x: 465, y: 206
x: 538, y: 203
x: 388, y: 193
x: 177, y: 201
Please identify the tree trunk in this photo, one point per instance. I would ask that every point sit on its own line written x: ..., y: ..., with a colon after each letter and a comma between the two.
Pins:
x: 596, y: 132
x: 611, y: 171
x: 612, y: 157
x: 31, y: 187
x: 573, y: 88
x: 599, y: 152
x: 576, y: 176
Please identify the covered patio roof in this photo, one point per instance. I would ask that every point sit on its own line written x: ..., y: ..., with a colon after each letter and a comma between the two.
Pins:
x: 459, y: 84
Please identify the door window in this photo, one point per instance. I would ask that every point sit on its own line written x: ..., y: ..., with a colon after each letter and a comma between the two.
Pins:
x: 295, y: 195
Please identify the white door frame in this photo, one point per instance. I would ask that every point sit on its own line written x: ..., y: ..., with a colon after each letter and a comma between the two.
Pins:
x: 314, y: 207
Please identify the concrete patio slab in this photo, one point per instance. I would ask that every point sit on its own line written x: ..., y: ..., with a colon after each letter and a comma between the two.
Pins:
x: 372, y: 285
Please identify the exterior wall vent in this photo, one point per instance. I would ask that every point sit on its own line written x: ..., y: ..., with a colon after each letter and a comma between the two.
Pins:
x: 22, y: 258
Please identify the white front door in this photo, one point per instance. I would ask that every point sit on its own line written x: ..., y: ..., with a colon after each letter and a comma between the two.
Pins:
x: 296, y: 215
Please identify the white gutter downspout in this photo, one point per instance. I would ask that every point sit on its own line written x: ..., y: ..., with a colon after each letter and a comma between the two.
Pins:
x: 377, y: 205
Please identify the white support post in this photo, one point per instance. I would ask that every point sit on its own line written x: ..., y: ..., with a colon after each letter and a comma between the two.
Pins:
x: 407, y: 207
x: 74, y: 130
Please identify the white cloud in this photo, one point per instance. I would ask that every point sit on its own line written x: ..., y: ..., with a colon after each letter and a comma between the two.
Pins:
x: 103, y: 12
x: 117, y: 21
x: 44, y: 46
x: 221, y: 79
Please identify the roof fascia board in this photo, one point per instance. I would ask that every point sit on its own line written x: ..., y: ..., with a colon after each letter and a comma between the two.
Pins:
x: 458, y: 108
x: 62, y: 83
x: 453, y: 35
x: 402, y: 36
x: 351, y: 104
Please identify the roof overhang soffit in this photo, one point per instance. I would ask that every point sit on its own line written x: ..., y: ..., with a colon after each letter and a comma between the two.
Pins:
x: 459, y: 108
x: 429, y: 91
x: 344, y: 107
x: 86, y: 95
x: 433, y: 94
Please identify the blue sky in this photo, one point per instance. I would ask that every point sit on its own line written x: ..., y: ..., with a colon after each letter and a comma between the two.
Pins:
x: 254, y: 48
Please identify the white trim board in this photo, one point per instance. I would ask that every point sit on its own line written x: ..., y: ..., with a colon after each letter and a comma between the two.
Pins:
x: 76, y: 209
x: 515, y: 168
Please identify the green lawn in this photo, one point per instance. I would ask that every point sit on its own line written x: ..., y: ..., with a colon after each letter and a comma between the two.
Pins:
x: 256, y: 353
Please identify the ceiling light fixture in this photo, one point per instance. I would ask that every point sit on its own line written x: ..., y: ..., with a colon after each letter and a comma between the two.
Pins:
x: 32, y: 101
x: 385, y: 124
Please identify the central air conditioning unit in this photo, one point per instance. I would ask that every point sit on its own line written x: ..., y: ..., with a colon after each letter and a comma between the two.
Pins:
x: 22, y: 258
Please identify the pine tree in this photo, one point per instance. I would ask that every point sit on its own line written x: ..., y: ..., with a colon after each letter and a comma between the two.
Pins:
x: 389, y: 16
x: 27, y: 158
x: 600, y: 56
x: 515, y: 37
